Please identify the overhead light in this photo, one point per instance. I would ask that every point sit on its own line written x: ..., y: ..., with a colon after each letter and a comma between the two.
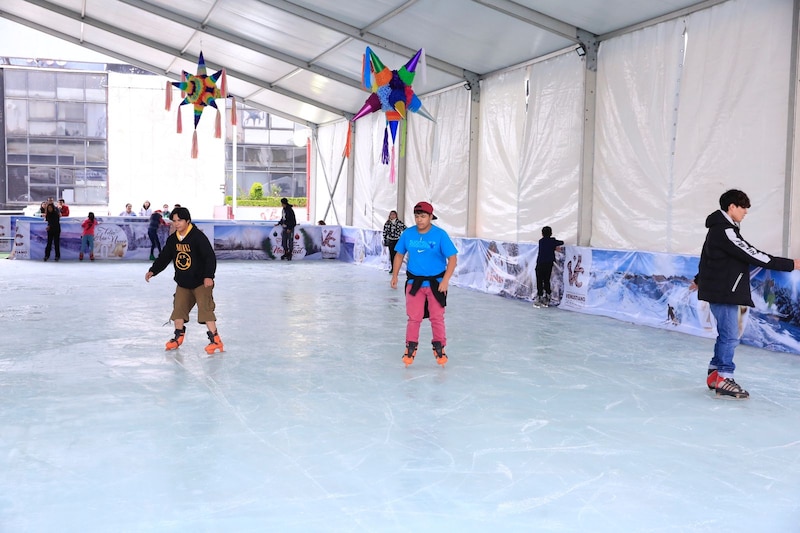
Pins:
x: 580, y: 50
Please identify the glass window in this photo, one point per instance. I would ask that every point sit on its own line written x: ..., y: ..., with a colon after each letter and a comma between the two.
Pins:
x: 69, y: 86
x: 18, y: 184
x: 96, y: 152
x: 42, y: 152
x: 16, y: 117
x: 282, y: 137
x: 278, y: 123
x: 40, y: 193
x: 42, y: 110
x: 71, y: 152
x: 42, y: 176
x: 72, y: 111
x: 16, y: 82
x: 66, y: 176
x: 41, y: 84
x: 96, y: 87
x: 282, y: 158
x: 17, y: 147
x: 43, y: 129
x: 256, y: 156
x: 71, y: 129
x: 252, y: 136
x: 96, y: 176
x: 96, y: 120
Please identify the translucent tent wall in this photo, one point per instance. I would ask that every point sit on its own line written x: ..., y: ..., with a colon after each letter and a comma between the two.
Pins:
x: 684, y: 110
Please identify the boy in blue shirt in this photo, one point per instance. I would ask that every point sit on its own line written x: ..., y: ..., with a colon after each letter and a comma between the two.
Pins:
x: 431, y: 264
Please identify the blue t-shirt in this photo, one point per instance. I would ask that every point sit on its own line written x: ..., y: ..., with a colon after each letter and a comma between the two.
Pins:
x: 427, y: 252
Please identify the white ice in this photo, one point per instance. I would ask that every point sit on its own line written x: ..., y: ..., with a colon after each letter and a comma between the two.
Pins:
x: 543, y: 420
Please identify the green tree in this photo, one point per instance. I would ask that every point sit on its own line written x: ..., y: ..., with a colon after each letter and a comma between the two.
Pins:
x: 256, y: 191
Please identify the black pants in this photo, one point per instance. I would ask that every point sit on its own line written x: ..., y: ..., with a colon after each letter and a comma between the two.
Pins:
x: 287, y: 242
x: 390, y: 245
x: 154, y: 242
x: 53, y: 238
x: 543, y: 272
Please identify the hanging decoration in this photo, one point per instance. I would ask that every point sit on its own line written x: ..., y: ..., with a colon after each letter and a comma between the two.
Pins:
x: 393, y: 94
x: 201, y: 90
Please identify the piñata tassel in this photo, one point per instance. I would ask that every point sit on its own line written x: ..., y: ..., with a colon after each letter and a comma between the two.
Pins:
x: 218, y: 125
x: 391, y: 168
x: 223, y: 89
x: 348, y: 145
x: 180, y: 122
x: 234, y: 120
x: 385, y: 152
x: 168, y: 103
x: 194, y: 145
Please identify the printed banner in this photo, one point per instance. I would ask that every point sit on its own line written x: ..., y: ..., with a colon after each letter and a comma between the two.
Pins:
x: 121, y: 238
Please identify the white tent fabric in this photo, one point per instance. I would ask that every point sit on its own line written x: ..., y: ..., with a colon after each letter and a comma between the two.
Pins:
x: 330, y: 180
x: 671, y: 135
x: 438, y: 160
x: 530, y: 157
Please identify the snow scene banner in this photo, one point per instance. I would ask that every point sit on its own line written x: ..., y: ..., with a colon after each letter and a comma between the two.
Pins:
x: 6, y: 234
x: 644, y: 288
x: 124, y: 238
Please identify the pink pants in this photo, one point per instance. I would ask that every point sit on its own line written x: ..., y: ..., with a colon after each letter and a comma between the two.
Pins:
x: 415, y: 308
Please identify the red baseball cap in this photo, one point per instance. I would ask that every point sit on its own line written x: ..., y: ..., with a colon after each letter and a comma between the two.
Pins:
x: 425, y: 207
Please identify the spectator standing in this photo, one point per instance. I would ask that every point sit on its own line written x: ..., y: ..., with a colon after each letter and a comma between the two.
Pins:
x: 145, y: 211
x: 156, y: 221
x: 391, y: 234
x: 288, y: 221
x: 128, y: 211
x: 63, y: 208
x: 53, y: 219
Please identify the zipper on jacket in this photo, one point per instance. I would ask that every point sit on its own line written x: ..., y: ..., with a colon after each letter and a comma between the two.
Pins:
x: 738, y: 279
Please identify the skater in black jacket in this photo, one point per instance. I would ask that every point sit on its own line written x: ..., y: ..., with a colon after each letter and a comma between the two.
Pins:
x: 544, y: 266
x: 288, y: 221
x: 723, y: 280
x: 195, y: 265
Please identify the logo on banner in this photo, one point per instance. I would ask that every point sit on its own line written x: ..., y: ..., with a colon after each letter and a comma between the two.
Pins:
x: 575, y: 271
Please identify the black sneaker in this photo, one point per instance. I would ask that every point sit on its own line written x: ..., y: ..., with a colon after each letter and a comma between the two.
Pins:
x: 728, y: 388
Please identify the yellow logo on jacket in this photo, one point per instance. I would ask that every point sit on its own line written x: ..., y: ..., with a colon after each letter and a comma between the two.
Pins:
x: 183, y: 261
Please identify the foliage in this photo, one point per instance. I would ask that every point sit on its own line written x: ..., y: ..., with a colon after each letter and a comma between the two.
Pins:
x: 256, y: 191
x: 267, y: 201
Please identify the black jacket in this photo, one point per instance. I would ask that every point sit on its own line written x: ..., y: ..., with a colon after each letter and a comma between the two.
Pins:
x: 724, y: 272
x: 287, y: 217
x: 194, y: 258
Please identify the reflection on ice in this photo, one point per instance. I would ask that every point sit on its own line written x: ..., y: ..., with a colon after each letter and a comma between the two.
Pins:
x: 543, y: 420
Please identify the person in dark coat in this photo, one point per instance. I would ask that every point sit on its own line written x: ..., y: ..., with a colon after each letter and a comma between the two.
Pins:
x: 723, y: 280
x: 288, y: 221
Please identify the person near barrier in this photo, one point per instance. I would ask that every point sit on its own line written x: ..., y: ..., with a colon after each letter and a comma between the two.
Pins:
x: 723, y: 280
x: 87, y: 236
x: 156, y: 221
x: 391, y: 234
x: 544, y: 266
x: 431, y: 264
x: 195, y: 267
x: 53, y: 218
x: 288, y: 221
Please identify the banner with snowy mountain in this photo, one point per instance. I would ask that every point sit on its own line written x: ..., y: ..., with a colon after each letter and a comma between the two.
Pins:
x: 644, y: 288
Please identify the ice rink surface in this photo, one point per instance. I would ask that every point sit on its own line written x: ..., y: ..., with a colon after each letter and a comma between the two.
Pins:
x: 543, y: 420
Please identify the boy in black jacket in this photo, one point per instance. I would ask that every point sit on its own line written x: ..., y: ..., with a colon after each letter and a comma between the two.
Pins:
x: 723, y: 280
x: 195, y: 266
x: 544, y: 266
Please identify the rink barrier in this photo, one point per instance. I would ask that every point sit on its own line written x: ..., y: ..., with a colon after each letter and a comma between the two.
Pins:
x: 644, y: 288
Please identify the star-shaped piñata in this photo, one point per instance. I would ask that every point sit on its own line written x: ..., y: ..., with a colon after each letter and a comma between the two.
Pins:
x: 200, y: 90
x: 391, y: 93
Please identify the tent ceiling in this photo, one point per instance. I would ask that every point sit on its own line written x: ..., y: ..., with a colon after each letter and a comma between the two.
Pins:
x: 302, y: 59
